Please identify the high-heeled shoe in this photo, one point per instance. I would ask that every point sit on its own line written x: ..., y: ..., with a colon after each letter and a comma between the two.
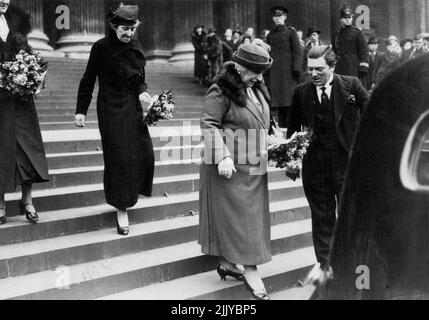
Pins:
x: 257, y: 295
x: 31, y: 215
x: 3, y: 217
x: 223, y: 271
x: 122, y: 231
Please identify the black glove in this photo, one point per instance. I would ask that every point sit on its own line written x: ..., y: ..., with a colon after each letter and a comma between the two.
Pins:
x: 363, y: 72
x: 292, y: 175
x: 296, y: 75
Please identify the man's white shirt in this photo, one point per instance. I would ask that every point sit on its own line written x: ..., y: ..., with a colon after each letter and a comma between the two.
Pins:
x: 4, y: 28
x: 328, y: 87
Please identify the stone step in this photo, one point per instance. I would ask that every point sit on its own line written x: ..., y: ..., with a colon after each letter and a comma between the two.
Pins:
x: 95, y: 158
x: 282, y: 272
x: 110, y: 275
x: 69, y: 125
x: 92, y: 218
x: 194, y: 114
x: 69, y: 177
x: 55, y: 110
x: 62, y: 99
x: 60, y: 141
x: 93, y: 194
x: 295, y: 293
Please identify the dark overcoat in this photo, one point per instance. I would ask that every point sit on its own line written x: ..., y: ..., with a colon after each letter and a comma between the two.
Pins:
x: 351, y: 48
x: 234, y: 213
x: 200, y: 64
x: 127, y: 145
x: 19, y: 124
x: 286, y: 52
x: 382, y: 234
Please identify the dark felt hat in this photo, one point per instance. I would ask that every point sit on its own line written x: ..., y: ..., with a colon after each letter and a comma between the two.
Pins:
x: 237, y: 31
x: 278, y: 11
x: 125, y: 15
x: 212, y: 30
x: 253, y: 57
x: 404, y: 41
x: 313, y: 30
x: 373, y: 40
x: 346, y: 11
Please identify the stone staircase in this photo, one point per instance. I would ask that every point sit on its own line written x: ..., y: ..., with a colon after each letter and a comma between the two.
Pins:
x: 75, y: 252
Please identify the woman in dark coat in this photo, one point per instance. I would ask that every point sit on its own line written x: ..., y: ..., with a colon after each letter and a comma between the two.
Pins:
x: 234, y: 201
x: 118, y: 62
x: 22, y: 156
x: 200, y: 64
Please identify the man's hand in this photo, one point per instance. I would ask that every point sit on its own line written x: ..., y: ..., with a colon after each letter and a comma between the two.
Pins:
x: 226, y: 168
x: 79, y: 120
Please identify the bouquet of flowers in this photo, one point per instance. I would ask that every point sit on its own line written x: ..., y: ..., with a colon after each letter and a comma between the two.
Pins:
x: 25, y: 75
x: 161, y: 108
x: 289, y: 154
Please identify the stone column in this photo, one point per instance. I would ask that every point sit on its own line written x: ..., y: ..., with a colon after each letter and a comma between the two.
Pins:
x: 236, y: 14
x: 187, y: 14
x: 87, y: 25
x: 37, y: 38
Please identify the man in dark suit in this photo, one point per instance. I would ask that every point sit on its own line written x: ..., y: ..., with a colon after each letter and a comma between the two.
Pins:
x: 330, y: 105
x: 374, y: 56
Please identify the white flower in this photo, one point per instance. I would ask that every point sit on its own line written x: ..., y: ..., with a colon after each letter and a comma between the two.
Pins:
x: 20, y: 79
x: 169, y: 107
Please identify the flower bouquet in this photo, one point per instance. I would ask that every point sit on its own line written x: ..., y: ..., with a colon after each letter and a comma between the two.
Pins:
x: 161, y: 108
x: 25, y: 75
x: 289, y: 155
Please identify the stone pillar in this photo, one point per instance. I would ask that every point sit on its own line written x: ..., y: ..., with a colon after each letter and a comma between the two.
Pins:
x: 87, y: 25
x: 187, y: 14
x: 236, y: 14
x: 37, y: 38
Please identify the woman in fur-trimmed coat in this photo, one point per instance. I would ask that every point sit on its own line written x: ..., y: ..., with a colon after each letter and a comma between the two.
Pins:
x: 22, y: 155
x: 234, y: 200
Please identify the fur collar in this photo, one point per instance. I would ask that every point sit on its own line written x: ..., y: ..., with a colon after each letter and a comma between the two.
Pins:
x: 230, y: 83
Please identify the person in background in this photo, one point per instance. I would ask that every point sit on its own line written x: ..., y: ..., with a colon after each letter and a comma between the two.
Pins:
x: 388, y: 61
x: 227, y: 45
x: 249, y: 31
x: 313, y: 36
x: 246, y: 39
x: 214, y: 53
x: 301, y: 38
x: 351, y: 48
x: 286, y: 71
x: 22, y: 154
x: 118, y: 62
x: 236, y: 39
x: 374, y: 56
x: 234, y: 219
x: 200, y: 64
x: 419, y: 49
x: 407, y: 46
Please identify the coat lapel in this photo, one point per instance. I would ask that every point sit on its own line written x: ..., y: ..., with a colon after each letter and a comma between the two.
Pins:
x: 256, y: 110
x: 341, y: 92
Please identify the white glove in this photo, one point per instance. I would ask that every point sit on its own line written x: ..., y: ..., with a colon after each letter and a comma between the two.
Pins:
x: 145, y: 97
x: 79, y: 120
x: 226, y: 168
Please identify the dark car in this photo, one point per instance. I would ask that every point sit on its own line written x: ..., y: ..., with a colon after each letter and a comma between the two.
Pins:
x: 381, y: 244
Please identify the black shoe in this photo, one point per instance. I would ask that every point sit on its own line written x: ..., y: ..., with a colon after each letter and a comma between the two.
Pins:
x: 31, y: 216
x: 223, y: 271
x: 122, y: 231
x: 3, y: 218
x: 257, y: 295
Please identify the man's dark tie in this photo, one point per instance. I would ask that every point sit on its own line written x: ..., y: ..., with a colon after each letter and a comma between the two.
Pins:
x: 325, y: 98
